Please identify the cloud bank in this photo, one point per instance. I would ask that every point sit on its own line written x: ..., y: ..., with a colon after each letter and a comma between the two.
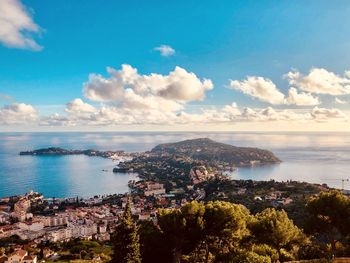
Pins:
x: 126, y: 97
x: 265, y: 90
x: 18, y: 113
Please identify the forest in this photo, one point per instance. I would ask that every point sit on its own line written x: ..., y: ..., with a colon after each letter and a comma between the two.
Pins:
x: 219, y: 231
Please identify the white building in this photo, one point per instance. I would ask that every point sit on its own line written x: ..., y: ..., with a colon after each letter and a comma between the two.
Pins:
x: 19, y: 256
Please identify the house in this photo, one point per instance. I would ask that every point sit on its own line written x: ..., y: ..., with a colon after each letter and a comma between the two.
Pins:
x: 154, y: 189
x: 31, y: 225
x: 19, y: 256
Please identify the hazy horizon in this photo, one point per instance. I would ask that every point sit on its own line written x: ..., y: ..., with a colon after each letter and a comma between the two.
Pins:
x: 127, y: 66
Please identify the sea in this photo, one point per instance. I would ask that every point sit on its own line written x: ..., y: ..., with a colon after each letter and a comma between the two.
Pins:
x: 315, y: 157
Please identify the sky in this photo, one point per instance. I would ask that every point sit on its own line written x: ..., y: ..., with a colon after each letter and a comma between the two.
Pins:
x: 174, y: 65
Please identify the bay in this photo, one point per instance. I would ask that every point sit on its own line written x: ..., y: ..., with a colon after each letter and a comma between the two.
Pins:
x: 312, y: 157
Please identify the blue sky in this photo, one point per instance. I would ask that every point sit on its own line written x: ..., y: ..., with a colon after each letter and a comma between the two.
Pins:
x: 217, y: 40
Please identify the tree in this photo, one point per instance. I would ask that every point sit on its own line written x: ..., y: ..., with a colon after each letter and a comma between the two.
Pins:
x: 225, y: 227
x: 153, y: 245
x: 126, y: 246
x: 329, y: 216
x: 275, y: 229
x: 201, y: 232
x: 182, y: 228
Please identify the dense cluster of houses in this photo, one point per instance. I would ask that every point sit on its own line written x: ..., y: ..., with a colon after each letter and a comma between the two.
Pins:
x: 18, y: 256
x: 93, y: 218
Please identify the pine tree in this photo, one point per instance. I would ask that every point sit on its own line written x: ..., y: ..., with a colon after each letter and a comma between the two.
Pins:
x: 125, y: 240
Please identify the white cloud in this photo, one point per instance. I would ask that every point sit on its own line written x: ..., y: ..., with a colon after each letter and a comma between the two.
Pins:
x: 165, y: 50
x: 17, y: 26
x: 339, y: 101
x: 323, y: 114
x: 301, y: 99
x: 126, y: 88
x: 265, y: 90
x: 320, y: 81
x: 229, y: 114
x: 77, y: 106
x: 18, y: 113
x: 258, y: 87
x: 184, y: 86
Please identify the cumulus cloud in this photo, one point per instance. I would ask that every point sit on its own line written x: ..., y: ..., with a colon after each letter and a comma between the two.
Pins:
x: 258, y: 87
x: 18, y: 113
x: 77, y: 106
x: 320, y: 81
x: 323, y: 114
x: 339, y: 101
x: 265, y: 90
x: 229, y: 114
x: 165, y: 50
x: 129, y: 89
x: 301, y: 98
x: 17, y: 26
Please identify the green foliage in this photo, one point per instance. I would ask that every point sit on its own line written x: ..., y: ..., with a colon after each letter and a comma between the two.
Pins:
x: 266, y: 250
x: 274, y: 228
x: 203, y: 230
x: 182, y: 228
x: 314, y: 250
x: 153, y: 245
x: 225, y: 232
x: 329, y: 216
x: 126, y: 240
x: 244, y: 256
x: 225, y: 226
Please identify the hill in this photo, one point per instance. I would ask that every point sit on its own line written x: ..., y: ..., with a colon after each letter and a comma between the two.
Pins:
x: 205, y: 149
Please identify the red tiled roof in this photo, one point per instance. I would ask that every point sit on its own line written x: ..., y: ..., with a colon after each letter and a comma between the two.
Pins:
x: 29, y: 257
x: 20, y: 253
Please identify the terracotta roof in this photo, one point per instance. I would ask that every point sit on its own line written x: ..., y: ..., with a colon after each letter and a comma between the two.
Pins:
x: 3, y: 259
x: 29, y: 257
x: 20, y: 253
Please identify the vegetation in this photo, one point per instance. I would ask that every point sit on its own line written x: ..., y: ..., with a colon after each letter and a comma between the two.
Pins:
x: 222, y: 232
x: 126, y: 240
x: 328, y: 219
x: 219, y: 231
x: 204, y: 149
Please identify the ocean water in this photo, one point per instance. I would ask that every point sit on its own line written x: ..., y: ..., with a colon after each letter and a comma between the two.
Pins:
x: 310, y: 157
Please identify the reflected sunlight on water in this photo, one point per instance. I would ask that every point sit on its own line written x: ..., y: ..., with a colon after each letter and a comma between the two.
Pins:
x: 312, y: 157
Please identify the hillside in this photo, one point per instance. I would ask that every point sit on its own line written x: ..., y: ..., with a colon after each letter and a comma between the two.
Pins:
x: 208, y: 150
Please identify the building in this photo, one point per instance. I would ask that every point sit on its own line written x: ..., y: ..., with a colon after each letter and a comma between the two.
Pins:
x: 22, y: 205
x: 154, y: 189
x: 31, y: 226
x: 19, y: 256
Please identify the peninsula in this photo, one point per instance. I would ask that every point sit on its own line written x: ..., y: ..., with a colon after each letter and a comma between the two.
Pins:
x: 55, y: 151
x: 180, y: 164
x: 205, y: 149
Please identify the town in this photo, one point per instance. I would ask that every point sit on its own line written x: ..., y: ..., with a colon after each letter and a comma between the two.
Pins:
x: 35, y: 220
x: 168, y: 179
